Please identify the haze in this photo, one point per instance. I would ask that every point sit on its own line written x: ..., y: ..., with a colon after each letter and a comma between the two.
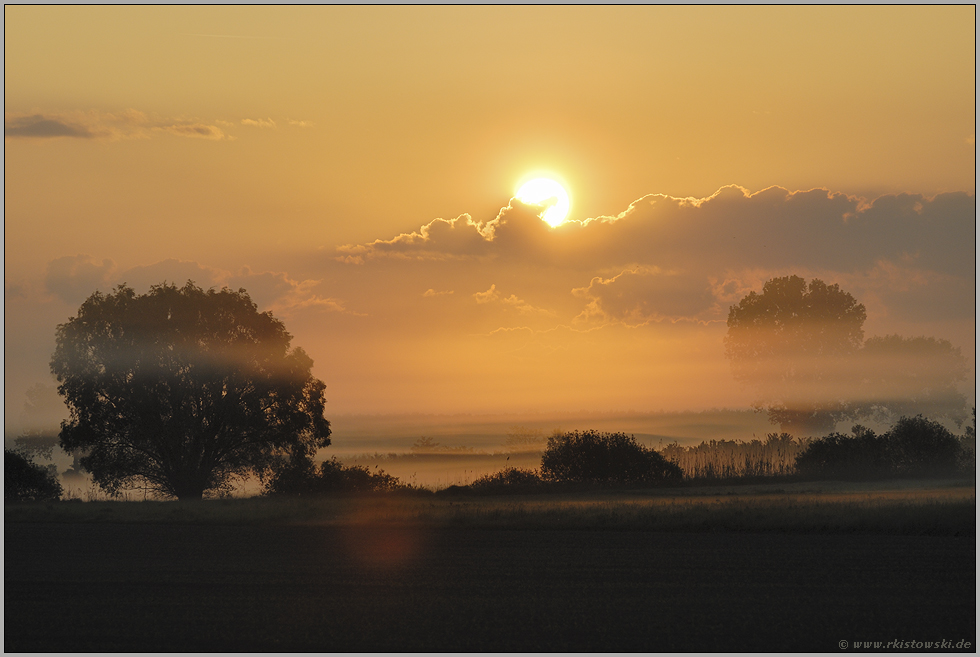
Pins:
x: 352, y: 168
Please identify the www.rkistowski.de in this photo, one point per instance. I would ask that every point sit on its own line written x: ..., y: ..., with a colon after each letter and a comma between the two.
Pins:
x: 897, y: 644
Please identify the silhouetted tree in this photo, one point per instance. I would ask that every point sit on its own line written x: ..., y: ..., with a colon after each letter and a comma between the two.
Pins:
x: 593, y: 457
x: 183, y: 389
x: 906, y: 376
x: 792, y: 343
x: 25, y: 481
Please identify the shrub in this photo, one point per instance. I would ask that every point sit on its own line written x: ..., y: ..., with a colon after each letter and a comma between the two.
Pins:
x: 922, y: 448
x: 303, y: 478
x: 510, y: 480
x: 25, y: 481
x: 914, y: 447
x: 608, y: 458
x: 860, y: 456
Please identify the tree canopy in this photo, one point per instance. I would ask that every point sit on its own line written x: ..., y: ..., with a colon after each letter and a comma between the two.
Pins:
x: 182, y: 389
x: 801, y: 348
x: 791, y: 343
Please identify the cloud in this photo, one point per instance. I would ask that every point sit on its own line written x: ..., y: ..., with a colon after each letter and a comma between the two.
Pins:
x: 259, y: 123
x: 38, y: 127
x: 433, y: 293
x: 127, y: 124
x: 12, y: 290
x: 74, y: 278
x: 646, y: 294
x: 668, y: 259
x: 195, y: 130
x: 510, y: 302
x: 278, y: 292
x: 488, y: 296
x: 523, y: 307
x: 301, y: 124
x: 773, y: 228
x: 438, y: 239
x: 904, y: 289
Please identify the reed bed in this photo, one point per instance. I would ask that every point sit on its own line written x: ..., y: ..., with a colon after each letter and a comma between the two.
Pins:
x: 734, y: 459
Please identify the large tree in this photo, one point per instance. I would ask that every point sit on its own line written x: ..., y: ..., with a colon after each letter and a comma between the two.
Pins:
x: 792, y: 343
x: 182, y: 389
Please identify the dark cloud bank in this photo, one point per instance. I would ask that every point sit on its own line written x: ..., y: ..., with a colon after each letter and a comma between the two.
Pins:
x: 679, y: 257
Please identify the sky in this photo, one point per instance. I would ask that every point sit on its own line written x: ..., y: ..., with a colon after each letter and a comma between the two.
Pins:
x: 354, y: 168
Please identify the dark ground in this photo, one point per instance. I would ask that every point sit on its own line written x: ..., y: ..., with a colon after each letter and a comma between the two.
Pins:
x: 153, y: 588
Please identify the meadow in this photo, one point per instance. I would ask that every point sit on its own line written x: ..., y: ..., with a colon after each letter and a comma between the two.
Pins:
x: 741, y: 554
x: 776, y: 567
x: 916, y: 507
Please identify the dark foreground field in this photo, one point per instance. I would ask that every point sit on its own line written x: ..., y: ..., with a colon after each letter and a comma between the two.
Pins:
x: 395, y: 586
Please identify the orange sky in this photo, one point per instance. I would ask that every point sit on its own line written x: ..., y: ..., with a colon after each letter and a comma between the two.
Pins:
x: 294, y: 152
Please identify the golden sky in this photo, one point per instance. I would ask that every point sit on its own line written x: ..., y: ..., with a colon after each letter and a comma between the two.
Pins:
x: 353, y: 168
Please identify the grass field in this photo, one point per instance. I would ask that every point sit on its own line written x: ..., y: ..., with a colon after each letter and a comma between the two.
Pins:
x: 795, y: 567
x: 940, y: 507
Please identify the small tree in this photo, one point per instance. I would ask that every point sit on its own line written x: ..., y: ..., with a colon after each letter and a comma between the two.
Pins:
x: 25, y: 481
x: 593, y: 457
x: 184, y: 389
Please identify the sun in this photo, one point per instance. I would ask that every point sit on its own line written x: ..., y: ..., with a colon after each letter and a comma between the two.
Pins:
x: 548, y: 194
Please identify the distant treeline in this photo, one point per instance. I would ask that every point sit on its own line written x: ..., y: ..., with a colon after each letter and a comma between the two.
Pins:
x: 913, y: 447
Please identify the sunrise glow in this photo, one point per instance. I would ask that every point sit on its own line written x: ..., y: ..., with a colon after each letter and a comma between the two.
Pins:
x: 490, y: 327
x: 550, y: 195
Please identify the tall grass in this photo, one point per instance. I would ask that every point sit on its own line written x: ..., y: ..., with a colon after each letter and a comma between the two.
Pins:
x: 735, y: 459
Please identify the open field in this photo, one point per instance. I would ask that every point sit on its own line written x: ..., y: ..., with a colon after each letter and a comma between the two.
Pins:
x: 939, y: 507
x: 761, y: 568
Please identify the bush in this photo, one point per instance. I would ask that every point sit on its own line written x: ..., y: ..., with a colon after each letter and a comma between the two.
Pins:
x: 510, y: 480
x: 604, y: 458
x: 860, y: 456
x: 914, y: 447
x: 923, y: 448
x: 24, y: 481
x: 303, y: 478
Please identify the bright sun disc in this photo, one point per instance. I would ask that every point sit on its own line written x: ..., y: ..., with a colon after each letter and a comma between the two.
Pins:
x: 549, y: 195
